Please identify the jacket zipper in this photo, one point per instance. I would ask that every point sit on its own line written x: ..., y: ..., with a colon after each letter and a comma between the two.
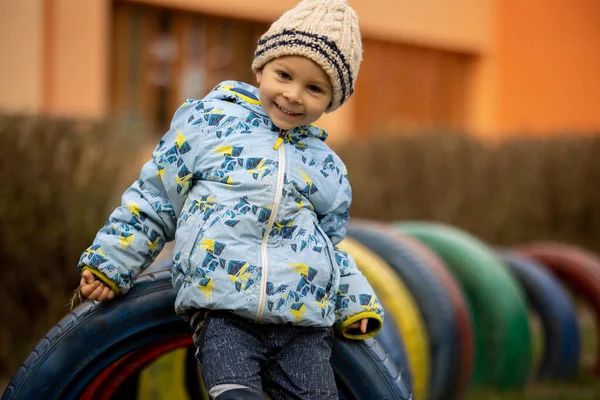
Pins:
x: 265, y: 240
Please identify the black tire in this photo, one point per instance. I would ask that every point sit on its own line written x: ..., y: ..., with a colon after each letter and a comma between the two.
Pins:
x: 92, y: 337
x: 366, y: 372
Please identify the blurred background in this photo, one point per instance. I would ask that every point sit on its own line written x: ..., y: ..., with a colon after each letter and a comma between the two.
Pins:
x: 490, y: 67
x: 482, y: 114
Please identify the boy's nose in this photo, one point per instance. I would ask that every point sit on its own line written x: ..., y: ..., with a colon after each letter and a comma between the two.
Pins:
x: 293, y: 95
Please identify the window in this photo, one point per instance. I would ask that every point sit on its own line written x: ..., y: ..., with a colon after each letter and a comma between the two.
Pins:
x: 160, y: 57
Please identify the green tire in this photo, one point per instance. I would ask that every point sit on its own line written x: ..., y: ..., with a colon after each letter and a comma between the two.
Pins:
x: 503, y: 337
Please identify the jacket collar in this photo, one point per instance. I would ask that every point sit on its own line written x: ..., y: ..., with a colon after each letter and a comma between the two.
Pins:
x: 246, y: 96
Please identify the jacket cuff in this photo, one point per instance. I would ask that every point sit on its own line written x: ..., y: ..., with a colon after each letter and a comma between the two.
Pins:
x: 103, y: 278
x: 374, y: 326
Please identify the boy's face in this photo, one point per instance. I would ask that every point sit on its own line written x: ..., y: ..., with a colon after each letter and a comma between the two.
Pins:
x: 294, y: 91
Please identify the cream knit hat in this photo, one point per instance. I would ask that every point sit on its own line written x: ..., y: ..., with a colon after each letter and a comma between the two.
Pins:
x: 325, y: 31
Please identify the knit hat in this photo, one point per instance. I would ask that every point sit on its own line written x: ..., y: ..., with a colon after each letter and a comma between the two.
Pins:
x: 325, y: 31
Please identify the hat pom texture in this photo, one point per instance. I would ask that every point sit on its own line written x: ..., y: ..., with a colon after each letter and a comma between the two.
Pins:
x: 325, y: 31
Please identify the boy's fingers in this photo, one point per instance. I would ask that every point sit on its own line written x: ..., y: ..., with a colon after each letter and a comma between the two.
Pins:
x: 88, y: 276
x: 94, y: 289
x: 106, y: 294
x: 102, y: 295
x: 87, y: 289
x: 353, y: 325
x: 363, y: 325
x: 97, y: 291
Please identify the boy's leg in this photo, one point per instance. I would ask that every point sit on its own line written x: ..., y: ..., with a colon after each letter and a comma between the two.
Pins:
x: 229, y: 356
x: 298, y: 365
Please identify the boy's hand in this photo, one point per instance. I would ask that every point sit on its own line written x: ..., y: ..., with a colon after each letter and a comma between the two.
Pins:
x: 94, y: 289
x: 362, y: 325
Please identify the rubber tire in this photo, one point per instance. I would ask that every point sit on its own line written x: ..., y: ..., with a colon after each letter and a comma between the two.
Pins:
x: 112, y: 379
x: 432, y: 299
x: 464, y: 318
x: 391, y: 340
x: 94, y: 336
x: 577, y: 268
x: 560, y: 357
x: 466, y: 343
x: 130, y: 372
x: 366, y: 371
x: 398, y: 302
x: 503, y: 338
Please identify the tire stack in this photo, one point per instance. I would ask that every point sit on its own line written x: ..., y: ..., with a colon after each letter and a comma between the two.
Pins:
x: 458, y: 316
x: 477, y: 302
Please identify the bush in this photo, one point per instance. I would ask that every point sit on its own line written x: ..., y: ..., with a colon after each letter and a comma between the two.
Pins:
x: 60, y: 179
x: 517, y: 190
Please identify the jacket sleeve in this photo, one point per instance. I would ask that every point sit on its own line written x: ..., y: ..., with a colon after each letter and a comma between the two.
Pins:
x: 356, y: 299
x: 137, y: 230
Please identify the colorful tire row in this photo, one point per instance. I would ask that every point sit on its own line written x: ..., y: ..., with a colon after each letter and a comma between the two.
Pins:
x: 457, y: 317
x: 461, y: 308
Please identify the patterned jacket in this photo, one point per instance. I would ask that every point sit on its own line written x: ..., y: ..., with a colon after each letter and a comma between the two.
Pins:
x: 255, y: 213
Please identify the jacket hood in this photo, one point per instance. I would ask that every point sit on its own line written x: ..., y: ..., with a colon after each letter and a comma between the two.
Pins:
x: 246, y: 96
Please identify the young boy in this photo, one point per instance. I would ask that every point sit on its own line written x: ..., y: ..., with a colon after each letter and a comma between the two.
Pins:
x: 257, y: 203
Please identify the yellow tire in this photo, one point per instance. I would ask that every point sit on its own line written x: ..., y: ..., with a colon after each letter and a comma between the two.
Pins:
x: 164, y: 378
x: 398, y: 302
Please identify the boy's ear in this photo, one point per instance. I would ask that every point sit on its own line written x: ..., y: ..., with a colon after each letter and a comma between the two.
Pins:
x: 259, y: 76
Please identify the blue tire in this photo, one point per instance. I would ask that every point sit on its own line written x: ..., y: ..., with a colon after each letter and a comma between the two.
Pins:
x: 94, y: 336
x: 560, y: 358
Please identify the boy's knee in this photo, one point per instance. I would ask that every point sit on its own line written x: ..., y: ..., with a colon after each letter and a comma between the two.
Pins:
x: 234, y: 392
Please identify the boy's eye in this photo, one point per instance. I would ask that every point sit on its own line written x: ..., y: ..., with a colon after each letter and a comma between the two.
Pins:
x: 284, y: 75
x: 315, y: 89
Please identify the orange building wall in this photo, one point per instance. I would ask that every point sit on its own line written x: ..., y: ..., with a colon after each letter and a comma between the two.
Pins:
x: 548, y: 65
x: 461, y: 25
x: 21, y: 55
x: 536, y: 65
x: 76, y: 60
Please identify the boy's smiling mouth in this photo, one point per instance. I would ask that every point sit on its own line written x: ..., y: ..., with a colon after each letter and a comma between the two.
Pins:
x: 286, y: 111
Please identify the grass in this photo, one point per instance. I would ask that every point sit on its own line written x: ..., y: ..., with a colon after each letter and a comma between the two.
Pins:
x: 585, y: 386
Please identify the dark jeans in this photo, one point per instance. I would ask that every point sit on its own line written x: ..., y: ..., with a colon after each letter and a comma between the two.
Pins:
x: 286, y: 361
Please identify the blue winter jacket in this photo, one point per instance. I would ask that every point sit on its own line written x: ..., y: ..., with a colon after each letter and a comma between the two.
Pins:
x: 255, y: 213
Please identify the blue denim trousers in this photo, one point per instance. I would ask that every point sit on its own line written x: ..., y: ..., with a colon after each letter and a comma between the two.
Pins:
x: 285, y: 361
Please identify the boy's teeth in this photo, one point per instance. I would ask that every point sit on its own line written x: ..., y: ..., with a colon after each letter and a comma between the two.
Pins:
x: 285, y: 111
